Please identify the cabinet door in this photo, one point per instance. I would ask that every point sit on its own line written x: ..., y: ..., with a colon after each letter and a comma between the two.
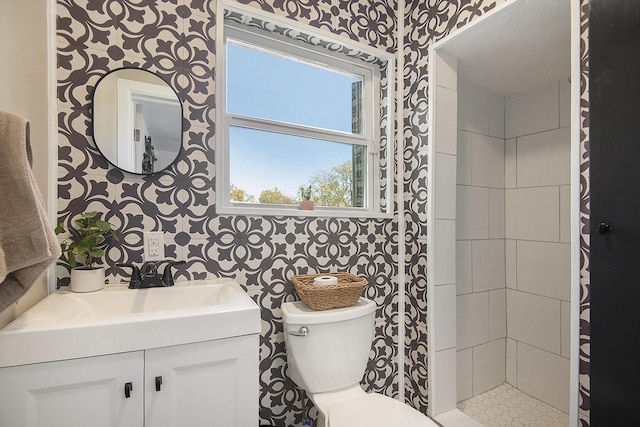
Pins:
x: 209, y: 384
x: 74, y: 393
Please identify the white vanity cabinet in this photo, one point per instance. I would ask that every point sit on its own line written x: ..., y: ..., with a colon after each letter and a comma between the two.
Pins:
x: 212, y: 383
x: 74, y: 393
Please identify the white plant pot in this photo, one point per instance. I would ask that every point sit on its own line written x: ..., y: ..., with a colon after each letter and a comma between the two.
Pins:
x: 87, y: 279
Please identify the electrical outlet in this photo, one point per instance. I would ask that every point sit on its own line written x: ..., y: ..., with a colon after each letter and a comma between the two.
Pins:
x: 153, y: 245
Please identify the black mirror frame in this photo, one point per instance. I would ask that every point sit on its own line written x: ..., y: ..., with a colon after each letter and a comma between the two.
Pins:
x: 180, y: 148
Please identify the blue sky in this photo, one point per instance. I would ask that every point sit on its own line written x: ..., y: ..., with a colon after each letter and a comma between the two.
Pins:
x: 271, y: 87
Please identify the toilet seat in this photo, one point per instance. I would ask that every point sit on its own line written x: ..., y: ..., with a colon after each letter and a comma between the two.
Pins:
x: 376, y: 410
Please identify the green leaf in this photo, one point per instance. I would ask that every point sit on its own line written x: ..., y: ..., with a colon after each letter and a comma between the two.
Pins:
x: 85, y: 244
x: 87, y: 239
x: 103, y: 226
x: 80, y: 223
x: 96, y: 253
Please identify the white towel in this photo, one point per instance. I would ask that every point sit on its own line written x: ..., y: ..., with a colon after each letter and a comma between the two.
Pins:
x: 28, y: 245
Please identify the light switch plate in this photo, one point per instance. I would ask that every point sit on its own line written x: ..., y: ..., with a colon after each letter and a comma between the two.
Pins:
x: 153, y: 245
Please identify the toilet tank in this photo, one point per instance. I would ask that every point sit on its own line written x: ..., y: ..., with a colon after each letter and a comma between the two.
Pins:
x: 334, y: 353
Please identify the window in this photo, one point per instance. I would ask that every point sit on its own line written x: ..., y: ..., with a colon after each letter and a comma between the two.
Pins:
x: 295, y: 116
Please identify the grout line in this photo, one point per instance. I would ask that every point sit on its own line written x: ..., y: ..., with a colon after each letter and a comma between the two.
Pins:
x: 559, y: 104
x: 560, y: 214
x: 515, y: 268
x: 514, y: 239
x: 536, y: 133
x: 514, y: 188
x: 472, y: 382
x: 538, y: 295
x: 515, y: 165
x: 515, y: 360
x: 537, y: 348
x: 561, y: 331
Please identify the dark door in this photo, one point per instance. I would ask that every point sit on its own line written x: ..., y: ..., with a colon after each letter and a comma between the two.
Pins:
x: 614, y: 38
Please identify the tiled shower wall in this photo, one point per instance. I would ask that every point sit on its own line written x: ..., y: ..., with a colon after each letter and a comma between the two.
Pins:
x: 537, y: 181
x: 480, y: 241
x: 513, y: 241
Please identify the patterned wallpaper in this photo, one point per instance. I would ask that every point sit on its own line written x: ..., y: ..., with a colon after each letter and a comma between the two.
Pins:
x: 585, y: 282
x: 176, y: 40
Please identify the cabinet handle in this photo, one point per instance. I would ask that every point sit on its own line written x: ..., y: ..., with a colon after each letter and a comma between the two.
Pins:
x: 158, y: 383
x: 127, y: 389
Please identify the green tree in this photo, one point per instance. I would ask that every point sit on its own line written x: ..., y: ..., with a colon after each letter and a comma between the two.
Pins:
x: 239, y: 195
x: 275, y: 197
x: 333, y: 187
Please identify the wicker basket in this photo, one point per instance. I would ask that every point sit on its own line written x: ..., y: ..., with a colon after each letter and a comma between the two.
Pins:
x: 344, y: 294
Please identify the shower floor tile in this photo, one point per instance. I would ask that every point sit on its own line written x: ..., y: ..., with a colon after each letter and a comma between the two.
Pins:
x: 506, y: 406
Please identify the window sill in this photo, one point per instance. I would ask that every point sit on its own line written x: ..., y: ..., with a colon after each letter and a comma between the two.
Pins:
x: 252, y: 210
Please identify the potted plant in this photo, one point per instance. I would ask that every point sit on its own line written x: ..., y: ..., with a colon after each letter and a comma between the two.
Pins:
x: 306, y: 204
x: 84, y: 246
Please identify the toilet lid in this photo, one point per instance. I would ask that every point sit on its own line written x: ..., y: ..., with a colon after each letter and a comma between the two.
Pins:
x: 376, y: 410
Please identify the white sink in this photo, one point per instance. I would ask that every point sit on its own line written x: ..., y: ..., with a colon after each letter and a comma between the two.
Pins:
x: 119, y: 300
x: 116, y: 319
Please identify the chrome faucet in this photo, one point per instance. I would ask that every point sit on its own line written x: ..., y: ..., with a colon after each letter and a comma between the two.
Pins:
x: 148, y: 276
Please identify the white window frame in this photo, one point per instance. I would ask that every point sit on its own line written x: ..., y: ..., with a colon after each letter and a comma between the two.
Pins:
x: 370, y: 137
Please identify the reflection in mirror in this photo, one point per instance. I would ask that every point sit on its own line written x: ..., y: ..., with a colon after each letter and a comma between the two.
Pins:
x: 137, y: 121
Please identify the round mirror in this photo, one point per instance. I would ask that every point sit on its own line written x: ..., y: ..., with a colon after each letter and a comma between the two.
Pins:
x: 137, y: 121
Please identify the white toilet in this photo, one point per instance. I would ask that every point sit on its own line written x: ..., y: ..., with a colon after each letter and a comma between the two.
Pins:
x: 327, y: 352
